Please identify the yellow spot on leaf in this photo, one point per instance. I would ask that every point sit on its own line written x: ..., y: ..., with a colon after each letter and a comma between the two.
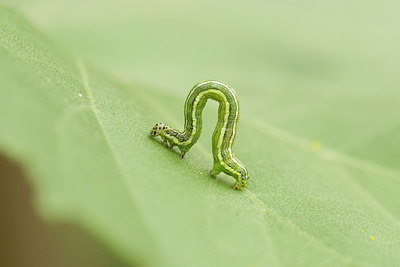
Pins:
x: 316, y: 145
x: 371, y: 237
x: 201, y: 173
x: 362, y: 230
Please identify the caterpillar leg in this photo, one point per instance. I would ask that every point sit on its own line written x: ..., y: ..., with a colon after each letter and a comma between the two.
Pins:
x: 168, y: 144
x: 183, y: 151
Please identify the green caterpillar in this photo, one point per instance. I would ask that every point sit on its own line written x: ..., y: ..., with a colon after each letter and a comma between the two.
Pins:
x: 224, y: 134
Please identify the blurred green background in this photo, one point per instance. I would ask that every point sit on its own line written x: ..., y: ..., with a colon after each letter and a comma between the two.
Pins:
x: 318, y: 83
x: 331, y: 55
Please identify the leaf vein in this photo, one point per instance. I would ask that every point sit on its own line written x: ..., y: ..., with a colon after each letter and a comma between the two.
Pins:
x: 82, y: 69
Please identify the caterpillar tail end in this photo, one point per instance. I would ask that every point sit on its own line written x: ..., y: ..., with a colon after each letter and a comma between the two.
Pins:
x: 240, y: 185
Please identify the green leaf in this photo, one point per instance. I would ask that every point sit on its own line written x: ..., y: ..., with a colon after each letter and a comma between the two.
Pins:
x: 82, y: 135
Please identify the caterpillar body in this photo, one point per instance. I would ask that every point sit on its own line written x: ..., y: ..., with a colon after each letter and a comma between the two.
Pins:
x: 224, y: 134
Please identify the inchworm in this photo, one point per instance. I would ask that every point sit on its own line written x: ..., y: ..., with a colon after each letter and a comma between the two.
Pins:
x: 224, y: 134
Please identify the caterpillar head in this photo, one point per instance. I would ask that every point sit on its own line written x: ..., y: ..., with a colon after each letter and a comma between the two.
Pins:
x: 158, y: 129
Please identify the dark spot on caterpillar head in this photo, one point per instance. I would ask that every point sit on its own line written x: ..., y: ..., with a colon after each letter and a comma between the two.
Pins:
x: 157, y: 129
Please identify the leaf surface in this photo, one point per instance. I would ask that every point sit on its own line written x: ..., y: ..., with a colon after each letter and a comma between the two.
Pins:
x: 82, y: 135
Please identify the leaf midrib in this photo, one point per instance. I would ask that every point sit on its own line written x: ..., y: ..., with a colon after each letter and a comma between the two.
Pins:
x: 293, y: 140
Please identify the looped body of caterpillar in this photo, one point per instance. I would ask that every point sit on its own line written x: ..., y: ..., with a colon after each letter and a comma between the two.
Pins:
x: 224, y: 134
